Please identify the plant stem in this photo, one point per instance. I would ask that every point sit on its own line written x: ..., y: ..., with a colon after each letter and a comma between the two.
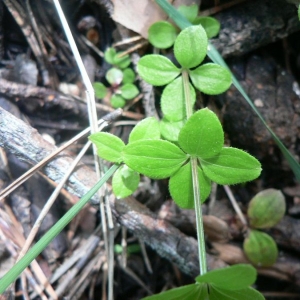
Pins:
x: 196, y: 186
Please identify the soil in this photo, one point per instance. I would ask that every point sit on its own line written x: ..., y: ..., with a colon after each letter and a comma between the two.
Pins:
x: 42, y: 107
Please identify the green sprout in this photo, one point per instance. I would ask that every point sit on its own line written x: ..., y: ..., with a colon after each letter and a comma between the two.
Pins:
x: 195, y: 158
x: 121, y: 80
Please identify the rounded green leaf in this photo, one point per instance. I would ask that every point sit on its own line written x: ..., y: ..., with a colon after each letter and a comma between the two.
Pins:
x: 173, y: 100
x: 191, y: 46
x: 181, y: 186
x: 125, y: 181
x: 170, y: 130
x: 187, y: 292
x: 154, y: 158
x: 128, y: 76
x: 109, y: 55
x: 117, y: 101
x: 157, y: 69
x: 147, y: 129
x: 266, y: 209
x: 108, y: 145
x: 100, y: 90
x: 210, y: 25
x: 211, y: 79
x: 129, y: 91
x: 231, y: 166
x: 202, y: 135
x: 190, y: 12
x: 162, y: 34
x: 121, y: 61
x: 260, y: 248
x: 248, y: 293
x: 114, y: 76
x: 235, y: 277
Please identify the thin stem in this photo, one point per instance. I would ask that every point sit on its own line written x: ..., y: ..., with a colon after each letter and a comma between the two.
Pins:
x: 199, y: 219
x: 196, y: 186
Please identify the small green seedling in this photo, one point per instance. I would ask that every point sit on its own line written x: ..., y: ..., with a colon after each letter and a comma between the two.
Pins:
x: 265, y: 210
x: 121, y: 80
x: 162, y: 34
x: 196, y: 156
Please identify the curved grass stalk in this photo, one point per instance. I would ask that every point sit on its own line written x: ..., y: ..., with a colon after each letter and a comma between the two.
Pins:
x: 16, y: 270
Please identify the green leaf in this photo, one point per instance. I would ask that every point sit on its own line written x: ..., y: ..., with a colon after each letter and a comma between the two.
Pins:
x: 202, y: 135
x: 100, y: 90
x: 187, y: 292
x: 211, y: 79
x: 248, y: 293
x: 173, y: 100
x: 157, y: 69
x: 170, y: 130
x: 231, y: 166
x: 260, y: 249
x: 299, y: 12
x: 181, y: 186
x: 266, y: 209
x: 210, y: 25
x: 109, y: 55
x: 129, y: 91
x: 114, y: 76
x: 109, y: 146
x: 121, y: 61
x: 128, y: 76
x: 235, y: 277
x: 191, y: 46
x: 162, y: 34
x: 189, y: 11
x: 154, y: 158
x: 147, y: 129
x: 125, y: 181
x: 117, y: 101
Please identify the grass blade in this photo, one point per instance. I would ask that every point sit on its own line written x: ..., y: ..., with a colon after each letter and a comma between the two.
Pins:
x: 18, y: 268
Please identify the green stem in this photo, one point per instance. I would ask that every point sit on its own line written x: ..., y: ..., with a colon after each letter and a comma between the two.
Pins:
x: 18, y: 268
x: 195, y: 178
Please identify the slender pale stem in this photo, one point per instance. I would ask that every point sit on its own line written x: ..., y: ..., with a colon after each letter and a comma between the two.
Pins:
x: 196, y: 186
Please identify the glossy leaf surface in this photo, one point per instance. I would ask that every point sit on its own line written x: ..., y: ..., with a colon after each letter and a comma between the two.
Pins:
x: 181, y: 186
x: 157, y: 69
x: 202, y: 135
x: 154, y: 158
x: 162, y: 34
x: 125, y: 181
x: 147, y: 129
x: 109, y: 146
x: 128, y: 76
x: 231, y: 166
x: 173, y: 100
x: 211, y: 79
x: 191, y: 46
